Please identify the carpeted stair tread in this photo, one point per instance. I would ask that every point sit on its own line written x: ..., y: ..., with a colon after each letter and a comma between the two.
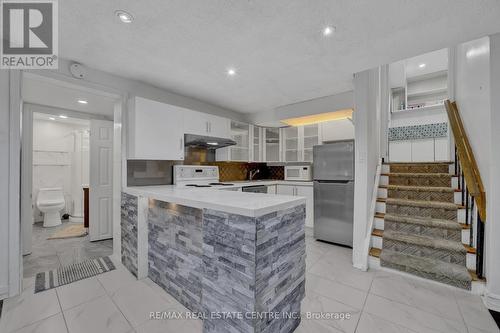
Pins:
x: 419, y: 188
x: 419, y: 163
x: 438, y: 270
x: 418, y: 174
x: 434, y: 243
x: 422, y: 203
x: 423, y: 221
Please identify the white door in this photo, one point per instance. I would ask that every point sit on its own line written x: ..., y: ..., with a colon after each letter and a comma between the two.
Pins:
x: 101, y: 180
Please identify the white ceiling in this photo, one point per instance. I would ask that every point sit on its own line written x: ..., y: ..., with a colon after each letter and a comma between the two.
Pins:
x: 276, y: 46
x: 56, y: 119
x: 49, y: 92
x: 434, y: 62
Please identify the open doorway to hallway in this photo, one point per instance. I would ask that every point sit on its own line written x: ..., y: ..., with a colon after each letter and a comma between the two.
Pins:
x: 67, y: 174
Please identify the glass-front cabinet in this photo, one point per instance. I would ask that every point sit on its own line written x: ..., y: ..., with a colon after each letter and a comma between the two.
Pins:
x: 311, y: 138
x: 256, y: 139
x: 271, y: 139
x: 298, y: 142
x: 240, y: 132
x: 291, y: 144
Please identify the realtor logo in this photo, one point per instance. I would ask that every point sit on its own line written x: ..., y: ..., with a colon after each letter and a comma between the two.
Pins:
x: 29, y: 34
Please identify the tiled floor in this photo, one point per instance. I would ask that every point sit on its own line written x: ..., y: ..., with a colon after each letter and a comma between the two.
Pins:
x: 49, y: 254
x: 375, y: 301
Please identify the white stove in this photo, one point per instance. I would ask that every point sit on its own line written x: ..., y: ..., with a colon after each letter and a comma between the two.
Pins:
x: 197, y: 176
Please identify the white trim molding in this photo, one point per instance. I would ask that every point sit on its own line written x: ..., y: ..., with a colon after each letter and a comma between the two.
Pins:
x: 371, y: 219
x: 15, y: 257
x: 491, y: 301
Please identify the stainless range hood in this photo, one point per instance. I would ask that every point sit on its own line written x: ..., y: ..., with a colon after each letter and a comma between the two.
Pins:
x: 207, y: 142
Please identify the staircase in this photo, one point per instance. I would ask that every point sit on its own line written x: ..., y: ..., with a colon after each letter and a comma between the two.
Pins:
x: 420, y: 226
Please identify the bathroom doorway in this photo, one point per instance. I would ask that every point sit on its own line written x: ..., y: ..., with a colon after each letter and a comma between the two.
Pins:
x: 66, y: 211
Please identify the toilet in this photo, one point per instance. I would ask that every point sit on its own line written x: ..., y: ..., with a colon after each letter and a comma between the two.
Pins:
x: 50, y: 201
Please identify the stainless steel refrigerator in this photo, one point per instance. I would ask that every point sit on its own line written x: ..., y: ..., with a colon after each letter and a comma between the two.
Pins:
x: 333, y: 173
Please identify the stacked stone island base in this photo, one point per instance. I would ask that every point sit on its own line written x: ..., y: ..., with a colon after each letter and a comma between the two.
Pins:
x: 241, y: 273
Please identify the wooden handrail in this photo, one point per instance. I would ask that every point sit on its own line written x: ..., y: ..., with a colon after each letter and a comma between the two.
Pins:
x: 467, y: 160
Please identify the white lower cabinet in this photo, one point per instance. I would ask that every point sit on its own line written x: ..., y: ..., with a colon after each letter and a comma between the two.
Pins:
x: 400, y: 151
x: 422, y: 150
x: 306, y: 191
x: 271, y: 189
x: 285, y: 189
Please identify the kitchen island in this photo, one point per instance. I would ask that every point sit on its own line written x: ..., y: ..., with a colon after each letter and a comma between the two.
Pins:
x: 237, y: 259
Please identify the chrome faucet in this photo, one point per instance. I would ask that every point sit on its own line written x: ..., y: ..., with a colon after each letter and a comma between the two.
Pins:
x: 252, y: 173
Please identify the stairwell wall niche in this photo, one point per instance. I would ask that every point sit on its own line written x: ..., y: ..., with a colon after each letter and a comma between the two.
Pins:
x: 418, y: 124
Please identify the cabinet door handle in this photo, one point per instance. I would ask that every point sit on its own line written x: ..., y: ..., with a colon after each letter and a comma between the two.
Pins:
x: 182, y: 144
x: 209, y: 127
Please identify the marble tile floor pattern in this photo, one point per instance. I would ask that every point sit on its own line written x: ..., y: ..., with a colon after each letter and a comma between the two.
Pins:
x: 377, y: 301
x: 50, y: 254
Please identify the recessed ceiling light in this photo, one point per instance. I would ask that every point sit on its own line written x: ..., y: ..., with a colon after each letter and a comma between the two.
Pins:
x: 52, y: 118
x: 124, y: 16
x: 212, y: 143
x: 422, y: 66
x: 82, y: 101
x: 63, y: 116
x: 329, y: 30
x: 231, y: 72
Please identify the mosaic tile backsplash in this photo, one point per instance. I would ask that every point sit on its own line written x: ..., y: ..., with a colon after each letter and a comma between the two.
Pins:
x: 428, y: 131
x: 234, y: 171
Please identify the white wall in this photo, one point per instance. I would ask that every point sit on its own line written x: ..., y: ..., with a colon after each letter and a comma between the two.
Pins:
x: 419, y: 117
x: 331, y: 103
x: 4, y: 182
x: 492, y: 232
x: 335, y: 130
x: 472, y: 94
x: 367, y: 122
x: 96, y: 79
x: 55, y: 160
x: 477, y: 72
x: 10, y: 252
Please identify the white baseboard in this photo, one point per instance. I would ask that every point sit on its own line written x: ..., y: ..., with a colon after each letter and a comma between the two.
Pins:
x: 491, y: 300
x: 4, y: 292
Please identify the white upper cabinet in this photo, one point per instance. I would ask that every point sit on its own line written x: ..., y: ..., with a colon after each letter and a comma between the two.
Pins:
x: 271, y: 146
x: 298, y: 142
x: 334, y: 130
x: 240, y: 133
x: 256, y: 140
x: 310, y: 139
x: 155, y: 130
x: 219, y: 126
x: 200, y: 123
x: 291, y: 144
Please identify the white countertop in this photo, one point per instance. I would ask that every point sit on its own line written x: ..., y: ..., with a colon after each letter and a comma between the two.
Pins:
x: 242, y: 203
x: 243, y: 183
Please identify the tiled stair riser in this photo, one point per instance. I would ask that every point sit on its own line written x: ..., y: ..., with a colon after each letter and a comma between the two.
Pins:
x: 440, y: 233
x: 426, y: 252
x: 437, y: 213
